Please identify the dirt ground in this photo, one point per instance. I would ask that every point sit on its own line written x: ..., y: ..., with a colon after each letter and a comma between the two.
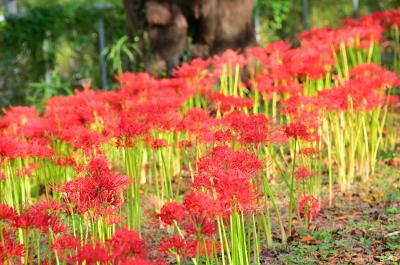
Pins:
x: 361, y: 227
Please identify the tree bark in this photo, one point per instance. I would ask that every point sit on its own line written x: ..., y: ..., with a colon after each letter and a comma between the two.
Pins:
x: 214, y: 25
x: 135, y: 21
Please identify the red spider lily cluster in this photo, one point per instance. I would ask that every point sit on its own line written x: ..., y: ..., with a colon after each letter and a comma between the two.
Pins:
x: 192, y: 168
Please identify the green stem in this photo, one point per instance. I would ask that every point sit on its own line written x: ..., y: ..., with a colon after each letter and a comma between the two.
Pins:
x: 291, y: 202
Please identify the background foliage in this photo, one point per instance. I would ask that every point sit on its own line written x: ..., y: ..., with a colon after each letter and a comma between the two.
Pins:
x: 283, y: 19
x: 59, y: 38
x: 69, y: 29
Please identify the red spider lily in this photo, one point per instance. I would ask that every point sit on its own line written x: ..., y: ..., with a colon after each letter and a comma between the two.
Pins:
x: 194, y: 69
x: 271, y: 59
x: 314, y: 37
x: 98, y: 166
x: 66, y: 247
x: 309, y: 151
x: 48, y: 148
x: 175, y: 245
x: 133, y: 84
x: 277, y: 47
x: 333, y: 99
x: 310, y: 62
x: 66, y: 242
x: 206, y: 226
x: 322, y: 37
x: 171, y: 212
x: 157, y: 143
x: 199, y: 206
x: 303, y: 131
x: 227, y: 103
x: 203, y: 248
x: 79, y: 168
x: 264, y: 84
x: 229, y: 57
x: 157, y: 114
x: 302, y: 173
x: 46, y: 216
x: 184, y: 144
x: 39, y: 148
x: 228, y: 176
x: 298, y: 106
x: 388, y: 18
x: 140, y: 261
x: 364, y: 21
x: 385, y: 18
x: 223, y: 136
x: 36, y: 128
x: 271, y: 55
x: 198, y: 123
x: 11, y: 148
x: 6, y: 212
x: 246, y: 162
x: 278, y: 135
x: 392, y: 100
x: 17, y: 116
x: 9, y: 248
x: 80, y: 137
x: 25, y: 221
x: 65, y: 161
x: 223, y: 158
x: 309, y: 206
x: 131, y: 127
x: 43, y: 216
x: 113, y: 216
x: 92, y: 255
x: 290, y: 87
x: 17, y: 119
x: 374, y: 76
x: 234, y: 191
x: 97, y: 191
x: 359, y: 99
x: 257, y: 54
x: 126, y: 244
x: 158, y: 103
x: 27, y: 171
x: 77, y: 110
x: 297, y: 130
x: 249, y: 129
x: 362, y: 92
x: 89, y: 193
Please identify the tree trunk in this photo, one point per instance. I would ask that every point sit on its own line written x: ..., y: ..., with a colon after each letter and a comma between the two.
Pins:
x: 214, y: 25
x: 135, y: 22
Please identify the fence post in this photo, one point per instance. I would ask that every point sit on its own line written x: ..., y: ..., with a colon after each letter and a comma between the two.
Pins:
x: 305, y: 14
x: 11, y: 6
x: 355, y: 8
x: 46, y: 49
x: 102, y: 46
